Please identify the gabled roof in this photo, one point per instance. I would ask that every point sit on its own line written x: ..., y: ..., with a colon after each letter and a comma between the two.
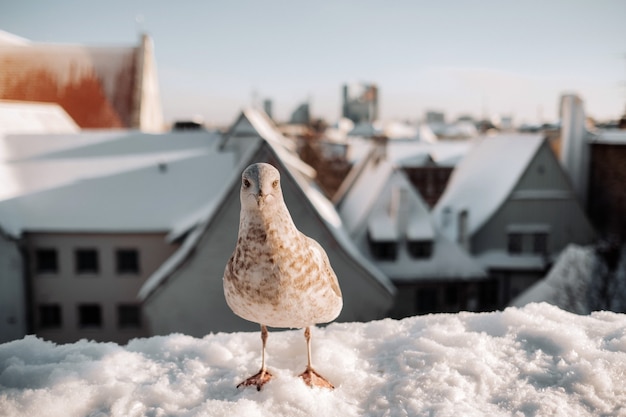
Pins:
x: 253, y: 124
x: 483, y: 180
x: 149, y: 199
x: 99, y: 87
x: 382, y: 201
x: 30, y: 163
x: 25, y: 117
x: 246, y: 127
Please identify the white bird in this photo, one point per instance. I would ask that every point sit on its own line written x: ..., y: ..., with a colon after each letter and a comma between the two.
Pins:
x: 277, y: 276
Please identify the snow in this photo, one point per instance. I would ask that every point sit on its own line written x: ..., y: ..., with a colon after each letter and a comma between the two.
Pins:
x: 123, y: 201
x: 24, y: 117
x: 537, y: 360
x: 504, y: 155
x: 567, y: 284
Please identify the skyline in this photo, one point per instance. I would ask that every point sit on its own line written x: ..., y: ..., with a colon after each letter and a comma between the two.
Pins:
x: 502, y: 58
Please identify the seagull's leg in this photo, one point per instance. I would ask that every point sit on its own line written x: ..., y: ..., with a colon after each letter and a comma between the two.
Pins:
x: 263, y: 376
x: 310, y: 375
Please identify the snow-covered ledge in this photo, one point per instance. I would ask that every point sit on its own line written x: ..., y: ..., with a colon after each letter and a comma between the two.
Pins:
x: 537, y: 360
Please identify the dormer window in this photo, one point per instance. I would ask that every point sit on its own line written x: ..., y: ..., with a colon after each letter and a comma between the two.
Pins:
x: 382, y: 237
x: 420, y: 249
x: 383, y: 250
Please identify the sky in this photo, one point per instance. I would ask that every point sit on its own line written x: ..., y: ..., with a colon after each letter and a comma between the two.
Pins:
x: 483, y: 58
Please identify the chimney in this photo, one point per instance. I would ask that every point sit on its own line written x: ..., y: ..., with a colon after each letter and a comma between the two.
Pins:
x: 574, y: 145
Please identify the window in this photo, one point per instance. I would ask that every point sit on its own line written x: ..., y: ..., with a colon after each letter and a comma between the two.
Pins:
x: 127, y: 261
x: 128, y: 316
x: 384, y: 250
x: 420, y: 249
x: 540, y: 243
x: 89, y: 316
x: 50, y: 316
x: 46, y: 261
x: 515, y: 243
x: 86, y: 261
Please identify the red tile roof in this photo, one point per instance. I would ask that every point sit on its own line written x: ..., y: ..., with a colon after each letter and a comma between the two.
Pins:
x: 95, y: 85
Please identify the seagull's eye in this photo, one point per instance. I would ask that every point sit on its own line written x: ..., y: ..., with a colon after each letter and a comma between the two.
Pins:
x: 246, y: 183
x: 275, y: 183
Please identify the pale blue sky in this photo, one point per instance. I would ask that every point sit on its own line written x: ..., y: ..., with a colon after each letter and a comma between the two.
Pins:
x: 507, y: 57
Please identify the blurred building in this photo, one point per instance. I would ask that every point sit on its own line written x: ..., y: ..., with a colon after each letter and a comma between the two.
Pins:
x: 360, y: 102
x: 435, y: 117
x: 301, y: 115
x: 98, y: 86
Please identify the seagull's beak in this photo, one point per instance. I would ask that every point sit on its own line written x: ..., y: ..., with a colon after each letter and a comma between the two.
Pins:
x: 260, y: 196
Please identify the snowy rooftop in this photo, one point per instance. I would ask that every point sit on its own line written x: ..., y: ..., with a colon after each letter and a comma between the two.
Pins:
x: 382, y: 200
x: 537, y: 360
x: 498, y: 161
x: 152, y: 198
x: 23, y: 117
x: 82, y: 179
x: 610, y: 137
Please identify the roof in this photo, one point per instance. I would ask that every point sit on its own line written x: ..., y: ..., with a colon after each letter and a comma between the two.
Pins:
x: 298, y: 172
x: 382, y: 201
x: 30, y: 163
x: 11, y: 39
x: 610, y: 137
x: 496, y: 162
x: 25, y: 117
x: 98, y: 86
x: 254, y: 124
x: 151, y: 198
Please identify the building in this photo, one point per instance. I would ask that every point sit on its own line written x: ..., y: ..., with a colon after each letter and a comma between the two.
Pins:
x: 186, y: 293
x: 392, y: 227
x: 360, y: 102
x: 434, y: 117
x: 73, y: 269
x: 98, y: 86
x: 607, y: 179
x: 122, y: 207
x: 301, y: 115
x: 512, y: 206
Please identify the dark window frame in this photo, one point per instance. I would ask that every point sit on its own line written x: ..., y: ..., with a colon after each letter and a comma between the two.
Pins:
x: 50, y: 316
x: 420, y: 249
x: 515, y: 242
x: 129, y: 316
x: 127, y: 261
x: 86, y: 261
x: 46, y: 261
x: 90, y: 316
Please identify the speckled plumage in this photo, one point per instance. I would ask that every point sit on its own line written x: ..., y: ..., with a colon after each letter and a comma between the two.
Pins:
x: 277, y: 276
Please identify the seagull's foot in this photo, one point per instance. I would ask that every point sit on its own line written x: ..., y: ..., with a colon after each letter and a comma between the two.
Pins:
x: 258, y: 380
x: 314, y: 379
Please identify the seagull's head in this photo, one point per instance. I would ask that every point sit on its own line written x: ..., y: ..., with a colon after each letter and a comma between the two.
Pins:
x: 260, y: 186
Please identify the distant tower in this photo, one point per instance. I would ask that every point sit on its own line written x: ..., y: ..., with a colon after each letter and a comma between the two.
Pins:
x: 301, y: 115
x: 574, y: 144
x: 360, y: 102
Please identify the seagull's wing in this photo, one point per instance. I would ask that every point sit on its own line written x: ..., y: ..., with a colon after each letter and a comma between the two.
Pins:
x: 321, y: 255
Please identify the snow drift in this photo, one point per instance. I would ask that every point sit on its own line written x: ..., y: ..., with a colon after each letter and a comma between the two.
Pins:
x: 537, y: 360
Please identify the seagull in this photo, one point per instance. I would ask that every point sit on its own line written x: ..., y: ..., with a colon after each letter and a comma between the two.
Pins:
x: 277, y: 276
